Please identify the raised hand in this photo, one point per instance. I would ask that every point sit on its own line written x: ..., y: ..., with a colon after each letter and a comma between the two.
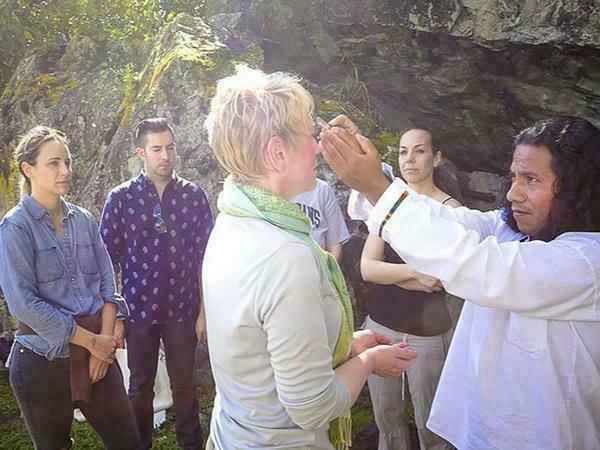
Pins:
x: 344, y: 122
x: 355, y: 160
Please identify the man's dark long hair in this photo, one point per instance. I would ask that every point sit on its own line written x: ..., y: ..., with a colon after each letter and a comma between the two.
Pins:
x: 575, y: 147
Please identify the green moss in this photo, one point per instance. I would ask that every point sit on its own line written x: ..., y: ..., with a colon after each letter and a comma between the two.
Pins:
x: 9, y: 182
x: 387, y: 145
x: 195, y: 51
x: 328, y: 108
x: 383, y: 141
x: 50, y: 87
x: 130, y: 83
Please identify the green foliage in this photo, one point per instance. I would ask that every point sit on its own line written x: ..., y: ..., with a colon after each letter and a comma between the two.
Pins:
x: 8, y: 196
x: 130, y: 81
x: 46, y: 24
x: 384, y: 141
x: 362, y: 415
x: 353, y: 89
x: 46, y: 86
x: 328, y: 108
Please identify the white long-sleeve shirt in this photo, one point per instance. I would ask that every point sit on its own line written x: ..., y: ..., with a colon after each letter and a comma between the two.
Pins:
x: 523, y: 370
x: 272, y: 322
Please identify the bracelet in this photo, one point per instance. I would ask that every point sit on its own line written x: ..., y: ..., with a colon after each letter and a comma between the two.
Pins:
x: 389, y: 215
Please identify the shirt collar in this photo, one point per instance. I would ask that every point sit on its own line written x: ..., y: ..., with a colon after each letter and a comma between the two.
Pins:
x: 38, y: 211
x: 143, y: 179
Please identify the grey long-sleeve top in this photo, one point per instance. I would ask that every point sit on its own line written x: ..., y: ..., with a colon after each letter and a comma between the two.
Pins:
x: 272, y: 322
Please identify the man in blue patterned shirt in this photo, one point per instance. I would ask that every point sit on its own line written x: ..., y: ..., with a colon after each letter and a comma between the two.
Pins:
x: 155, y: 227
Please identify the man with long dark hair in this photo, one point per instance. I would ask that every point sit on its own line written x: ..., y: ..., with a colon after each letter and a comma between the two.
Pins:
x: 523, y: 370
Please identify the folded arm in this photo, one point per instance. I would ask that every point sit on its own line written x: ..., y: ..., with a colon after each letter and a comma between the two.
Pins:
x: 551, y: 280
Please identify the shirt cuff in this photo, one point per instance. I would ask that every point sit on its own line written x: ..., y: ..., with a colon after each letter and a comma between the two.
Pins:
x: 388, y: 203
x: 122, y: 308
x: 58, y: 347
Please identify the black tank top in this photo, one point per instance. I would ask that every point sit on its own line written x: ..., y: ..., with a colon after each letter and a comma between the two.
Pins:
x: 412, y: 312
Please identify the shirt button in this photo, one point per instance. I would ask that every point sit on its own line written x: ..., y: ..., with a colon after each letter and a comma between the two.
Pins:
x: 72, y: 278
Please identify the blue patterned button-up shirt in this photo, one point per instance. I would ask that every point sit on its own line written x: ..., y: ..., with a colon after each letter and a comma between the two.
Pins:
x: 158, y: 246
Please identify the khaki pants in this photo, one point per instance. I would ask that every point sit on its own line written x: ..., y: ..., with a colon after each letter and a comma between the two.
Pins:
x: 389, y: 396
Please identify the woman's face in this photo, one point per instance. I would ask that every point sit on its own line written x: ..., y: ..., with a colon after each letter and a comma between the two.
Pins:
x: 415, y: 157
x: 303, y: 161
x: 52, y: 172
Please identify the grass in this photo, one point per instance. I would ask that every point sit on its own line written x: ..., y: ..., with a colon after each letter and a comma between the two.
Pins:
x: 362, y: 415
x: 13, y: 434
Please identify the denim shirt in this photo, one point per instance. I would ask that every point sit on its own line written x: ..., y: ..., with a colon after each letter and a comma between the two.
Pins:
x: 48, y: 279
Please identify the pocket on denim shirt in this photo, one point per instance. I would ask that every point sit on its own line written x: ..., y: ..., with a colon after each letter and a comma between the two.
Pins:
x: 86, y: 258
x: 48, y: 266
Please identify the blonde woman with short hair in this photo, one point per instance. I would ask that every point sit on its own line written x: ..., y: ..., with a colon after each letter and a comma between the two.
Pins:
x: 286, y: 364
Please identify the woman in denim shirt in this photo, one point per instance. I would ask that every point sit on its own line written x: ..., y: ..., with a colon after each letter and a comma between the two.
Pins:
x: 55, y: 268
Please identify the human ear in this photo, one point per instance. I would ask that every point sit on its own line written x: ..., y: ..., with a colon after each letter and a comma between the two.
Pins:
x: 437, y: 158
x: 26, y: 168
x: 273, y: 155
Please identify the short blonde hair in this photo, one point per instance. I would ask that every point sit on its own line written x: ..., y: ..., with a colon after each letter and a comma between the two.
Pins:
x: 248, y: 109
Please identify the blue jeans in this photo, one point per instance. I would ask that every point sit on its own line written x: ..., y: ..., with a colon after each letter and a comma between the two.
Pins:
x: 43, y: 391
x: 179, y: 340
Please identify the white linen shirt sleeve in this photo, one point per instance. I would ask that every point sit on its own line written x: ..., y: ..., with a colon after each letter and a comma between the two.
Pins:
x: 550, y: 280
x: 292, y: 311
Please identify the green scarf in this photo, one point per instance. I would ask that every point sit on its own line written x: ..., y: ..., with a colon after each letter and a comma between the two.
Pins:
x: 244, y: 200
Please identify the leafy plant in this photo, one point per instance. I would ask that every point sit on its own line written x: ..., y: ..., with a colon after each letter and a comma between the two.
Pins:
x: 45, y: 24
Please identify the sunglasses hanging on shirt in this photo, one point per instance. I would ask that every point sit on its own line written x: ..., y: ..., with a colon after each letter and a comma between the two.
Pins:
x: 159, y: 225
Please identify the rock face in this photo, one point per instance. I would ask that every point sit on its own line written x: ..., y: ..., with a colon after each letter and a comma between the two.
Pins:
x: 98, y: 105
x: 473, y: 72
